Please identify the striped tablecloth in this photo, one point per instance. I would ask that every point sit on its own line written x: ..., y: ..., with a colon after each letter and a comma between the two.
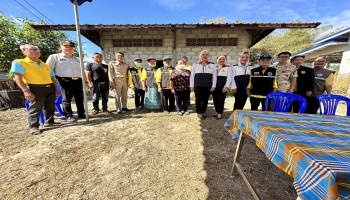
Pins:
x: 313, y: 149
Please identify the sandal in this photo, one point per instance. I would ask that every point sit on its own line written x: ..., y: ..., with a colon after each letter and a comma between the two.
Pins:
x: 34, y: 131
x: 52, y: 124
x: 200, y: 116
x: 218, y: 118
x: 95, y: 112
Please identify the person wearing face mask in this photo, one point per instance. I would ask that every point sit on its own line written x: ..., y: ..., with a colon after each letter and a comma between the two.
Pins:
x: 135, y: 83
x: 180, y: 86
x: 262, y: 81
x: 162, y: 77
x: 223, y: 82
x: 149, y: 85
x: 202, y: 82
x: 240, y: 74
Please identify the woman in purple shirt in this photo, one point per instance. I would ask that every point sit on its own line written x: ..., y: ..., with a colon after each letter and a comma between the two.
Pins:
x: 180, y: 86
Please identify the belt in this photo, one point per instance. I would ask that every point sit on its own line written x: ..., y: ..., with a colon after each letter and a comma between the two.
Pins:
x: 40, y: 85
x: 73, y: 78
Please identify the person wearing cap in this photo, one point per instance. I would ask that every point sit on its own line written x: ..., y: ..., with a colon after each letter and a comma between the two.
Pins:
x: 135, y: 82
x: 202, y: 82
x: 118, y: 78
x: 287, y: 73
x: 241, y: 74
x: 98, y: 82
x: 262, y: 81
x: 162, y: 77
x: 149, y: 85
x: 67, y: 69
x: 223, y: 83
x: 36, y: 79
x: 180, y: 87
x: 305, y: 80
x: 323, y: 82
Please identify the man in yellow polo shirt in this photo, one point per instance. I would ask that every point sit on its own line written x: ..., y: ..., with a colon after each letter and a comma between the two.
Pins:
x: 36, y: 79
x: 162, y: 77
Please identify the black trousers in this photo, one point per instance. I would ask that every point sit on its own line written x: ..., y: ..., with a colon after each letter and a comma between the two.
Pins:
x: 219, y: 100
x: 182, y: 99
x: 168, y: 100
x: 296, y: 104
x: 312, y: 105
x: 255, y: 102
x: 202, y: 96
x: 72, y: 88
x: 44, y: 98
x: 100, y: 89
x: 240, y: 98
x: 139, y: 98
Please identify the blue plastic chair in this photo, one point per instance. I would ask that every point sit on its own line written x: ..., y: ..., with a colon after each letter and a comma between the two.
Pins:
x: 58, y: 101
x: 329, y: 102
x: 41, y: 116
x: 283, y: 101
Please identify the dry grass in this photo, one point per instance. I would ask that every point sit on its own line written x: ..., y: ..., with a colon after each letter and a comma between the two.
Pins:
x: 134, y: 155
x: 341, y: 84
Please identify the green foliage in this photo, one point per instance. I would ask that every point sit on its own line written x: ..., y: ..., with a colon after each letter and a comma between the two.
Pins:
x: 13, y: 34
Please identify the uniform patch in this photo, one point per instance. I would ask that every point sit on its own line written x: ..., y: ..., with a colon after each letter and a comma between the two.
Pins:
x: 256, y: 73
x: 303, y: 72
x: 269, y: 73
x: 320, y: 75
x: 105, y: 70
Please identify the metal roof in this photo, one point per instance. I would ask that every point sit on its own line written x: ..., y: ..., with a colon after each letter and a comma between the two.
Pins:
x: 338, y: 35
x: 257, y: 31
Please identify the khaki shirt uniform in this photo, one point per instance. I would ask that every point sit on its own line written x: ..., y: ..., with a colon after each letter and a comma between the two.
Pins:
x: 118, y: 73
x: 285, y: 73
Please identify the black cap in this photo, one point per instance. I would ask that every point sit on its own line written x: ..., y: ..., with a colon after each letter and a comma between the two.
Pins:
x: 151, y: 58
x: 294, y: 57
x: 265, y: 56
x: 284, y: 52
x: 67, y: 43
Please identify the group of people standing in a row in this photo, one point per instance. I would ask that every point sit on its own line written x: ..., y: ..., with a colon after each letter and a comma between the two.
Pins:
x: 159, y: 88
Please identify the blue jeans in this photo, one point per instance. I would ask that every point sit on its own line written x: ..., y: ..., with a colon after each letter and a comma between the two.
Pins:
x: 100, y: 89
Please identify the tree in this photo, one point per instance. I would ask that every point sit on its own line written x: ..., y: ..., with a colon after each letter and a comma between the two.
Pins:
x: 14, y: 34
x: 216, y: 20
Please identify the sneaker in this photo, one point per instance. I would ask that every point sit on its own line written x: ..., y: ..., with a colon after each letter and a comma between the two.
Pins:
x: 34, y: 131
x: 187, y: 113
x: 70, y: 119
x: 95, y: 112
x: 106, y: 111
x: 83, y: 116
x: 52, y: 124
x: 166, y: 112
x: 119, y: 111
x: 179, y: 113
x: 125, y: 109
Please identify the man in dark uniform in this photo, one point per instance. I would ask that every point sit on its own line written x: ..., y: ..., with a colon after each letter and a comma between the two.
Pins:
x: 262, y: 81
x: 98, y: 82
x: 305, y: 80
x: 67, y: 69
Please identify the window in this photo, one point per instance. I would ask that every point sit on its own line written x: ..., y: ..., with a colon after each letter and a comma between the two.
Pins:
x: 137, y: 42
x: 211, y: 42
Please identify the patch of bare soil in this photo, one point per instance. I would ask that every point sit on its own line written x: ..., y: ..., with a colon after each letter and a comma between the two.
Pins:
x: 133, y: 155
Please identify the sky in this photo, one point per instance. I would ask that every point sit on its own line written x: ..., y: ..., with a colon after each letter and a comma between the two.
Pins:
x: 335, y: 12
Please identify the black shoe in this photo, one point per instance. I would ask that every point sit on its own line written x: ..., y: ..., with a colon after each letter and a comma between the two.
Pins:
x: 83, y: 116
x: 70, y: 119
x: 125, y: 109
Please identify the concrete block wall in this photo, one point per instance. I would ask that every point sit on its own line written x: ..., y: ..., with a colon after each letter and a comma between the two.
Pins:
x: 167, y: 49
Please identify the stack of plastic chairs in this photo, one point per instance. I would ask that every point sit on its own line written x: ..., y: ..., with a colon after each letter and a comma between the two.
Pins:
x: 329, y: 103
x: 58, y: 103
x: 283, y: 101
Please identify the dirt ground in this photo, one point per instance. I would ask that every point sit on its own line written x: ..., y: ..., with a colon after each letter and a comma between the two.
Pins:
x: 133, y: 155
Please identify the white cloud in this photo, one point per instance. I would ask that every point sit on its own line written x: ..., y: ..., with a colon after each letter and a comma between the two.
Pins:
x: 13, y: 18
x: 176, y: 5
x: 343, y: 19
x: 18, y: 8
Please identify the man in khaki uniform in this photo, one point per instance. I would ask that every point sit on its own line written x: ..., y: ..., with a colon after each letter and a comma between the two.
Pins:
x: 118, y: 78
x: 287, y: 73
